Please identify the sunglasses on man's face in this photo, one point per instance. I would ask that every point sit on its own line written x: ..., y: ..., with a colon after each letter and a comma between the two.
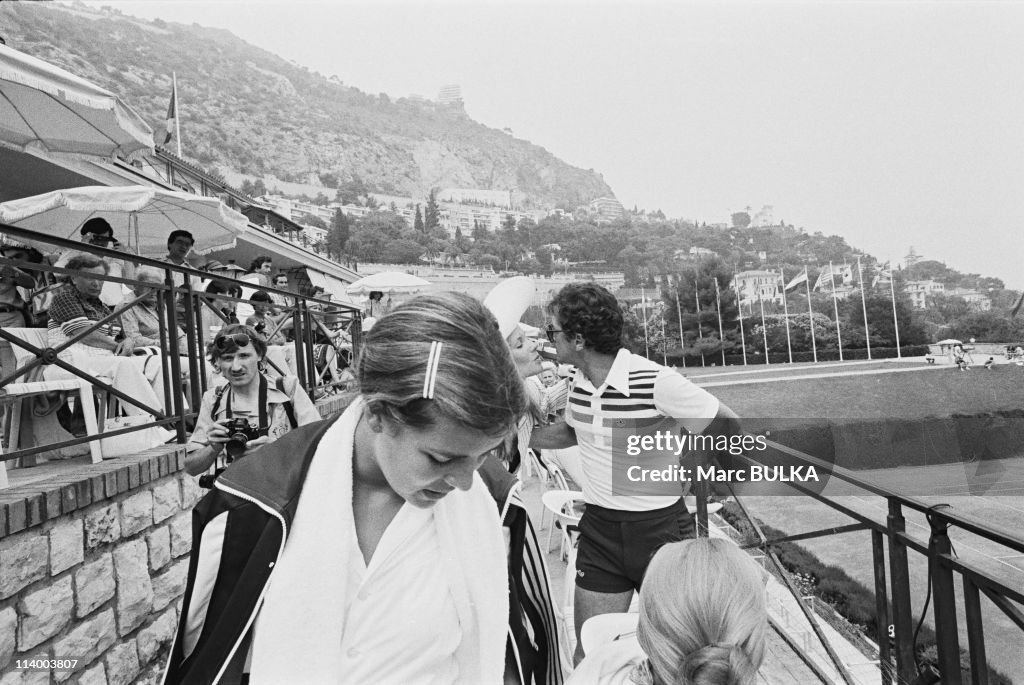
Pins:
x: 228, y: 342
x: 551, y: 330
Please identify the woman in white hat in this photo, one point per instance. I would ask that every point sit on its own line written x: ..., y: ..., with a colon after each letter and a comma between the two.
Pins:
x: 532, y: 654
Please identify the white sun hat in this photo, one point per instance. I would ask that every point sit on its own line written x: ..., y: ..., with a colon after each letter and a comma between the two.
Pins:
x: 509, y: 300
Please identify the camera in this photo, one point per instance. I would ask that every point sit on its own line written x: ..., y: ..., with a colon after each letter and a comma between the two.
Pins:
x: 239, y: 435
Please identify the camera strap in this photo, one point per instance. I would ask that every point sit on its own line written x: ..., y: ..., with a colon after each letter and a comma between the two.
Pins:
x: 261, y: 399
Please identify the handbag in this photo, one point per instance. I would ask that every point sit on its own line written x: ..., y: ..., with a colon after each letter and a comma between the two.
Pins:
x: 134, y: 442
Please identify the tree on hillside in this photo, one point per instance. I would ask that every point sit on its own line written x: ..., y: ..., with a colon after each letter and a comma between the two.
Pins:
x: 417, y: 223
x: 480, y: 232
x: 339, y: 233
x: 461, y: 244
x: 432, y: 215
x: 315, y: 221
x: 402, y: 251
x: 740, y: 219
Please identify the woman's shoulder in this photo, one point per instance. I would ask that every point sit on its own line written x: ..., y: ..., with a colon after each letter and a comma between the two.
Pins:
x: 616, y: 663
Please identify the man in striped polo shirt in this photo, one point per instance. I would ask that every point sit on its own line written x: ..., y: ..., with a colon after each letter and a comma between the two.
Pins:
x: 615, y: 395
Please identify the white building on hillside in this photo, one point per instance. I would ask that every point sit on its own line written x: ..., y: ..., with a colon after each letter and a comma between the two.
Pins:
x: 921, y: 291
x: 975, y: 298
x: 757, y: 285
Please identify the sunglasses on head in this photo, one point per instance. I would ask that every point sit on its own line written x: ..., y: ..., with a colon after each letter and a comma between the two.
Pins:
x: 550, y: 331
x: 226, y: 342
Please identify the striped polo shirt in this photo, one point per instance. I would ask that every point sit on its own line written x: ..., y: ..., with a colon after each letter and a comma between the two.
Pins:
x: 637, y: 396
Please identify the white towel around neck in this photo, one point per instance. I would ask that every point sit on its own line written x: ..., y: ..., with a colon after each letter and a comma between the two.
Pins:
x: 299, y: 626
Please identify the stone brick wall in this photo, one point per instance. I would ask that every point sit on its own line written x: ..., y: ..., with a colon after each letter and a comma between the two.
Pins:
x: 101, y: 581
x: 93, y: 563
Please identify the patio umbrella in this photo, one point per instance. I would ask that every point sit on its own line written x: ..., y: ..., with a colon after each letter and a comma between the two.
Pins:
x: 141, y: 217
x: 42, y: 105
x: 387, y: 282
x: 949, y: 341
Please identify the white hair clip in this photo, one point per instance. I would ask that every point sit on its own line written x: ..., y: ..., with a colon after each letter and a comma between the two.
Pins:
x: 430, y: 379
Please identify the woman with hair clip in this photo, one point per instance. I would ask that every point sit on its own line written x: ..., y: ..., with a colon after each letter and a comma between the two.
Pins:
x: 703, y: 621
x: 365, y: 549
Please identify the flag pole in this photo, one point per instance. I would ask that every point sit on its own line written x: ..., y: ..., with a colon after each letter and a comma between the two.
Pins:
x: 864, y: 306
x: 810, y: 313
x: 679, y: 318
x: 895, y: 321
x: 785, y: 307
x: 721, y: 334
x: 643, y: 307
x: 835, y: 304
x: 696, y: 297
x: 177, y: 119
x: 664, y: 341
x: 764, y: 329
x: 743, y: 338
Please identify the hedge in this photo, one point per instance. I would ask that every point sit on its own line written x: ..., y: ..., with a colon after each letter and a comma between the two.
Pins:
x: 824, y: 355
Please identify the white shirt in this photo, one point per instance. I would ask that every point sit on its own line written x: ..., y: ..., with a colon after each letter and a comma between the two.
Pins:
x: 638, y: 396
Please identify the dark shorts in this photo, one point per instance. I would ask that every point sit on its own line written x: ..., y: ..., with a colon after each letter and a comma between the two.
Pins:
x: 616, y: 546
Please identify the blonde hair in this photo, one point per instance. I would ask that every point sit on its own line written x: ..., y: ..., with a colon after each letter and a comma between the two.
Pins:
x: 477, y: 384
x: 702, y: 614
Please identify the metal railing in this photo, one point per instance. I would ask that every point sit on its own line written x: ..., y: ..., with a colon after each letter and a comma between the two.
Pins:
x: 179, y: 308
x: 891, y: 573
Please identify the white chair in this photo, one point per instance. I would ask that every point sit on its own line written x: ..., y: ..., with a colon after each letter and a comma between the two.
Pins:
x: 561, y: 504
x: 607, y: 628
x: 14, y: 393
x: 553, y: 480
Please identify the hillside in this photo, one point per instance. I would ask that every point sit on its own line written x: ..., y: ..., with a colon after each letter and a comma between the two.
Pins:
x: 247, y: 110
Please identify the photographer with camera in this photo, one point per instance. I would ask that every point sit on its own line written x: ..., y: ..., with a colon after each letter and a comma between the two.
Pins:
x: 250, y: 410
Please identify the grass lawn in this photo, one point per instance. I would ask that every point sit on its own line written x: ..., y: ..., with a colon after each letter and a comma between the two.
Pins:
x: 933, y: 392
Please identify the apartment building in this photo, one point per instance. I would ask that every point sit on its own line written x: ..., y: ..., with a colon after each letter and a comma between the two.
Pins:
x: 756, y: 285
x: 920, y: 292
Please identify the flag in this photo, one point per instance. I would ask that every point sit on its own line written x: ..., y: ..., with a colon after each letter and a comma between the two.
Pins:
x: 797, y: 281
x: 172, y: 114
x: 883, y: 274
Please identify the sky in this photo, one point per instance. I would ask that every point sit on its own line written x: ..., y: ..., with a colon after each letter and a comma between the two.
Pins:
x: 891, y: 124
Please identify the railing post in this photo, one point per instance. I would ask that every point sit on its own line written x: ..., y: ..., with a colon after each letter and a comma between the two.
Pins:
x: 196, y: 367
x: 902, y: 620
x: 975, y: 633
x: 700, y: 490
x: 309, y: 330
x: 174, y: 378
x: 300, y: 342
x: 881, y: 607
x: 947, y: 639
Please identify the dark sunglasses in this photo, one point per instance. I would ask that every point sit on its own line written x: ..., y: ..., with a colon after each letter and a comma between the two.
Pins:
x: 551, y: 330
x: 226, y: 342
